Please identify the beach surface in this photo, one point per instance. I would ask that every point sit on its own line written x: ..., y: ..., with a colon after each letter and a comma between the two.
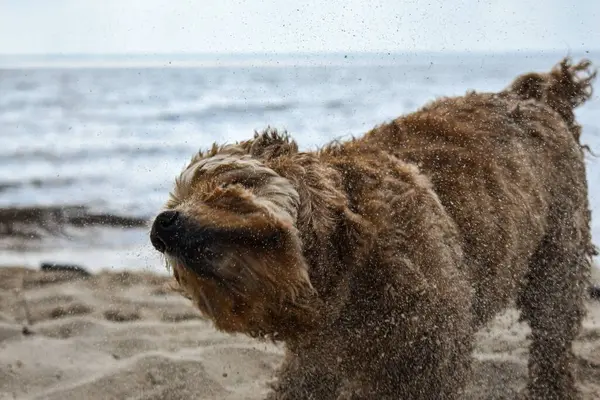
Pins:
x: 124, y: 335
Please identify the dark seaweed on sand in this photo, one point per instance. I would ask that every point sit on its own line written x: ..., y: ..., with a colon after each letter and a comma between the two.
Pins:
x: 34, y: 222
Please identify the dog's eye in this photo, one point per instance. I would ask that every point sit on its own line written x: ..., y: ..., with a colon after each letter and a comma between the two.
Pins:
x: 245, y: 183
x: 248, y: 182
x: 227, y: 185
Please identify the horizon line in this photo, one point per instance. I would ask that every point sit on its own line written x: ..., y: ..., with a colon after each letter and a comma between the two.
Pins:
x: 256, y: 59
x: 300, y: 53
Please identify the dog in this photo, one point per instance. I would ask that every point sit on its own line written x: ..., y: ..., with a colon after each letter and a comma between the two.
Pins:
x: 375, y: 260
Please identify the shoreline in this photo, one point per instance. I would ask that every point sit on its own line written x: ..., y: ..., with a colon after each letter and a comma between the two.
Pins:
x: 76, y: 234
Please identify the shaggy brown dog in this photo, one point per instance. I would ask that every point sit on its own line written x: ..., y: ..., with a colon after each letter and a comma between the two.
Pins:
x: 375, y: 260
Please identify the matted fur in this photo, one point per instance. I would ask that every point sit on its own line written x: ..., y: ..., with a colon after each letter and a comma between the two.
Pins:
x: 375, y: 260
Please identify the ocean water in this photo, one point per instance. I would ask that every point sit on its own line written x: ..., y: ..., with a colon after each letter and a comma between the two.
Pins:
x: 113, y: 132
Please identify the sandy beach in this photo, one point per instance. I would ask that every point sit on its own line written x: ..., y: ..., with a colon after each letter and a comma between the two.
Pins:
x: 72, y: 335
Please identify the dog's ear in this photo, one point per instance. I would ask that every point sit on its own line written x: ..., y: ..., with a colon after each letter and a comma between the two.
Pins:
x: 324, y: 213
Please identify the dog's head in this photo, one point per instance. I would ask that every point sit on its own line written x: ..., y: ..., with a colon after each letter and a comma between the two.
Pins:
x: 231, y: 232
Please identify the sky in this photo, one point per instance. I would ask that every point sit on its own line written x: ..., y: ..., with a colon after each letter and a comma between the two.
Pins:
x: 289, y: 26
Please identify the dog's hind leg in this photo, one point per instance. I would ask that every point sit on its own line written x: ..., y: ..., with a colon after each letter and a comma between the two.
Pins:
x: 552, y: 303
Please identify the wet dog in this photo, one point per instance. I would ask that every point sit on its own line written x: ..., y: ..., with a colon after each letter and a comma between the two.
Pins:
x: 376, y: 259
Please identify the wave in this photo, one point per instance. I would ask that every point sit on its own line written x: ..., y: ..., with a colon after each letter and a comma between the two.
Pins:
x: 42, y: 183
x: 90, y: 152
x: 226, y: 109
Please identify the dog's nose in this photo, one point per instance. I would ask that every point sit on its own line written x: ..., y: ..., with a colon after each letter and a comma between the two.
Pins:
x: 163, y: 229
x: 166, y: 219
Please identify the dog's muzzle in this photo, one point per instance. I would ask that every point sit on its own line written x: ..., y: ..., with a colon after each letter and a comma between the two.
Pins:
x: 164, y: 230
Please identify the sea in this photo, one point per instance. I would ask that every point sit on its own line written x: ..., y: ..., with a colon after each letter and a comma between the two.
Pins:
x: 112, y: 132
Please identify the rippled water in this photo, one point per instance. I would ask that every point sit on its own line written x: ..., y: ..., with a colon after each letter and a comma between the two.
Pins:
x: 114, y: 137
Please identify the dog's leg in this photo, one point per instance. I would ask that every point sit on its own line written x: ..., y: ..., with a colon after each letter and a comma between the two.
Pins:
x: 552, y: 303
x: 419, y: 352
x: 302, y: 377
x: 428, y: 372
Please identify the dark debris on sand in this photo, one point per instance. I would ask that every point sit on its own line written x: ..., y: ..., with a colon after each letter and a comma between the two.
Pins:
x: 594, y: 292
x: 49, y: 266
x: 34, y: 222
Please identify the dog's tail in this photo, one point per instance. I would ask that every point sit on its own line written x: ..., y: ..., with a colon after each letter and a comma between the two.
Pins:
x: 564, y: 88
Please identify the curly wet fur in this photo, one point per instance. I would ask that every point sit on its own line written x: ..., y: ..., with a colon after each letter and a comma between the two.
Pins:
x: 392, y: 249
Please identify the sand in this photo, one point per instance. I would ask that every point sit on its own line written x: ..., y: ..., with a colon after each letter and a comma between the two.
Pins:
x: 123, y: 336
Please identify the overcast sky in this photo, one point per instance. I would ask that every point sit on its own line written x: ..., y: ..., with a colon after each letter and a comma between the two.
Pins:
x: 171, y: 26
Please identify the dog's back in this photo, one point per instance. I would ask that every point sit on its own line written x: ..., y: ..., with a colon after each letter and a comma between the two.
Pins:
x: 509, y: 169
x: 502, y: 164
